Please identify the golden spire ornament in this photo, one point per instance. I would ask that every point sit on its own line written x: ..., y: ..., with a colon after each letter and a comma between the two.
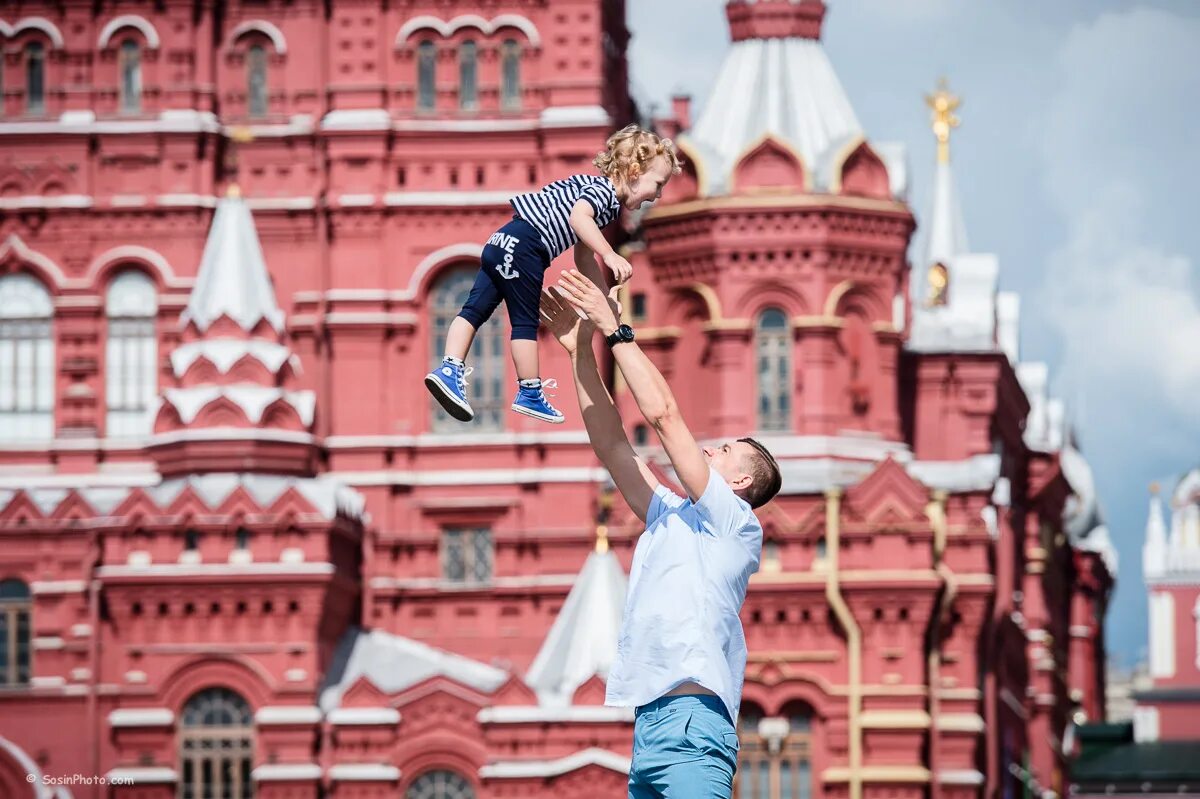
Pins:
x: 943, y: 104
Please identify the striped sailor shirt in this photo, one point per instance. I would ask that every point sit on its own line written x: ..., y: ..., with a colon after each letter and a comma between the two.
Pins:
x: 549, y: 210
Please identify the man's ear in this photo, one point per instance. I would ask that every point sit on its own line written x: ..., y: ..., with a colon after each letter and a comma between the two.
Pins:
x: 741, y: 482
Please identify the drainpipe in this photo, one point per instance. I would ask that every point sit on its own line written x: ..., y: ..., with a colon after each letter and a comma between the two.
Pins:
x: 1005, y: 576
x: 833, y: 595
x: 936, y: 512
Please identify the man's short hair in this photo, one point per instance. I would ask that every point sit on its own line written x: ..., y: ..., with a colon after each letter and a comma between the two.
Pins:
x: 765, y: 473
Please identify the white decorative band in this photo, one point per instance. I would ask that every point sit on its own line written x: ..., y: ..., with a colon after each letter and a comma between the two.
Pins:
x: 349, y: 716
x: 537, y: 769
x: 58, y: 586
x: 282, y: 714
x: 281, y: 772
x: 140, y: 776
x: 364, y: 772
x: 960, y: 722
x: 141, y: 717
x: 960, y: 777
x: 522, y: 714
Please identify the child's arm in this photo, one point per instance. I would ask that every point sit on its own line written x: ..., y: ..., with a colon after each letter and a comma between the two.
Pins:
x: 583, y: 222
x: 585, y: 262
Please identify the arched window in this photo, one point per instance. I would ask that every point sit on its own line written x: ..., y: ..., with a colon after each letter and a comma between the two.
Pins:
x: 795, y: 758
x: 130, y: 60
x: 35, y: 78
x: 440, y: 785
x: 27, y: 369
x: 216, y: 746
x: 468, y: 69
x: 775, y: 761
x: 773, y: 343
x: 426, y: 76
x: 15, y: 609
x: 256, y: 80
x: 131, y: 354
x: 486, y: 388
x: 510, y: 74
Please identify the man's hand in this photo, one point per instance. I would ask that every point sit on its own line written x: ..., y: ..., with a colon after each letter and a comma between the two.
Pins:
x: 563, y: 322
x: 622, y: 270
x: 590, y: 300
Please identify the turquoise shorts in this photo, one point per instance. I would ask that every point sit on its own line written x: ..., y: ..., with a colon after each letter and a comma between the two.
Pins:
x: 684, y: 747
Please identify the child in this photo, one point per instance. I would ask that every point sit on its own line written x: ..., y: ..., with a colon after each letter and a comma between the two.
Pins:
x: 635, y: 164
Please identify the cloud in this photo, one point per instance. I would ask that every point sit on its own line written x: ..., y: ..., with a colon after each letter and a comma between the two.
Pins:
x: 1127, y: 312
x: 1121, y: 289
x: 675, y: 47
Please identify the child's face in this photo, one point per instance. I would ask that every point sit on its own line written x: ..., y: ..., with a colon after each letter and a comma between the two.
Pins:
x: 648, y: 186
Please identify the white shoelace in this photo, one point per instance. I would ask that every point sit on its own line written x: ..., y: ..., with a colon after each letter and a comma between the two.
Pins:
x: 541, y: 390
x: 462, y: 379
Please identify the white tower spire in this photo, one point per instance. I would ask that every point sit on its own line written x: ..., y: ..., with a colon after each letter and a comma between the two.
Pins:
x: 1154, y: 550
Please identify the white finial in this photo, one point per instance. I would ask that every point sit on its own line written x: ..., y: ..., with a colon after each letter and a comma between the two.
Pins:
x: 1154, y: 550
x: 583, y: 639
x: 233, y: 280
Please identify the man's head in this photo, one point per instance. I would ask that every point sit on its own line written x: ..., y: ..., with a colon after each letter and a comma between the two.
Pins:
x: 749, y: 469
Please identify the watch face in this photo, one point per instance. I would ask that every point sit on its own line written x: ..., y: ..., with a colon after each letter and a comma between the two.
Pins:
x: 625, y: 332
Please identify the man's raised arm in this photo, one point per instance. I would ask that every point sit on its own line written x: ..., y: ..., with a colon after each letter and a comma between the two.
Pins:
x: 651, y: 392
x: 630, y: 473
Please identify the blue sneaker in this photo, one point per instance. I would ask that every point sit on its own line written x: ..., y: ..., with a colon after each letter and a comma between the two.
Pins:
x: 448, y: 385
x: 531, y: 401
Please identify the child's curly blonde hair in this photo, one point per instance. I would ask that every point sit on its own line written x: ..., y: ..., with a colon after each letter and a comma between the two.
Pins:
x: 628, y: 153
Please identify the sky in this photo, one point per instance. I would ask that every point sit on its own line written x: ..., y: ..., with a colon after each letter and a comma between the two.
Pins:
x: 1074, y: 164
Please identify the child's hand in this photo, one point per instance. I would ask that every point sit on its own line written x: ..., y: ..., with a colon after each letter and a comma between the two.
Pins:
x: 622, y: 270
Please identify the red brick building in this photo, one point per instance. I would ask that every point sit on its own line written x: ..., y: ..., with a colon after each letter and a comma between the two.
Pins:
x: 242, y: 554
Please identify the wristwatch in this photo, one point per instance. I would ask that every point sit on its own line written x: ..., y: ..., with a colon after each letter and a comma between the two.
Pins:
x: 621, y: 335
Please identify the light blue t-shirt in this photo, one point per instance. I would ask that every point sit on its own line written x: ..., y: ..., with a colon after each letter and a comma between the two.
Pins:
x: 686, y: 588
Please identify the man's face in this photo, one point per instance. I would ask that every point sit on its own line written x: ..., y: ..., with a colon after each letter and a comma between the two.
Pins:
x: 729, y: 460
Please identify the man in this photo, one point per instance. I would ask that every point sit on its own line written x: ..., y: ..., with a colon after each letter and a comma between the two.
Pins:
x: 681, y: 654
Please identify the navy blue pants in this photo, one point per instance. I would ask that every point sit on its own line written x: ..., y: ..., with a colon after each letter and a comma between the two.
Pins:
x: 512, y: 268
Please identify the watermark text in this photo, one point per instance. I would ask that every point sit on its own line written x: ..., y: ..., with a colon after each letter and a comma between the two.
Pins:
x: 76, y: 779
